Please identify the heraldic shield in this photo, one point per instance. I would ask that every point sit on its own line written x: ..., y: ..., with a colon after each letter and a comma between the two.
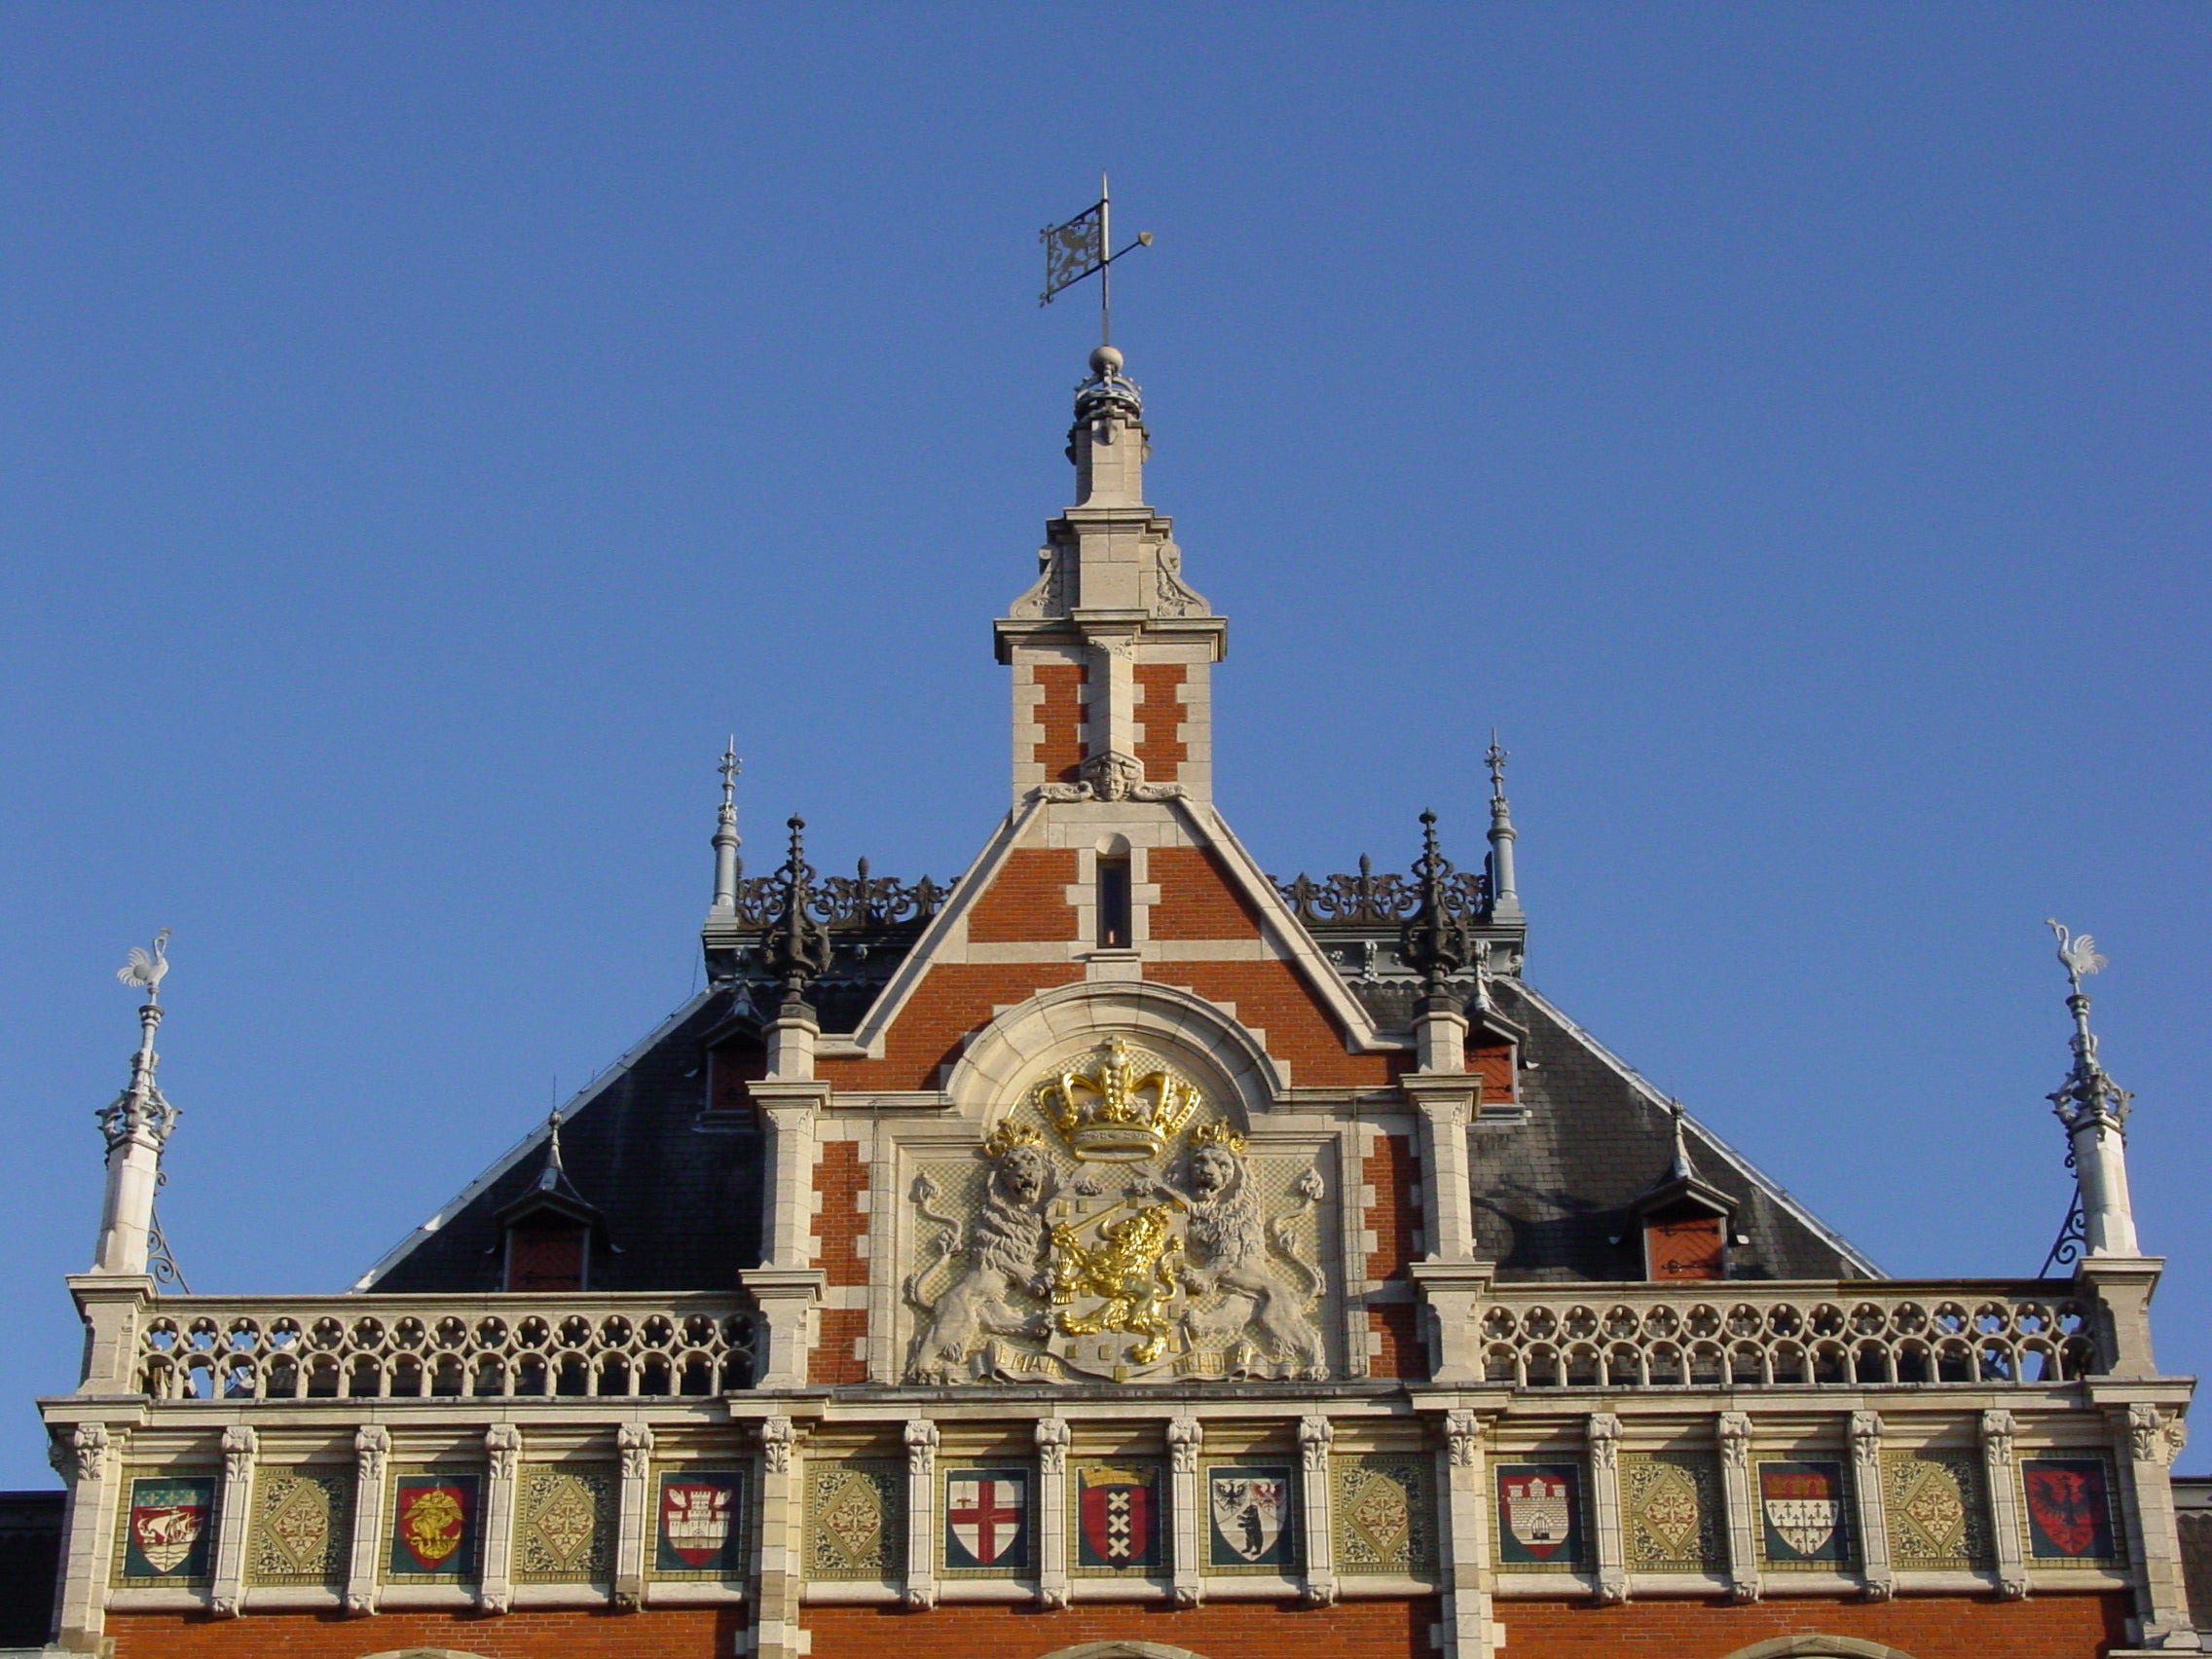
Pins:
x: 699, y: 1511
x: 986, y: 1519
x: 1539, y: 1513
x: 1802, y: 1507
x: 2069, y: 1508
x: 1249, y: 1510
x: 167, y: 1538
x: 433, y: 1525
x: 1117, y: 1517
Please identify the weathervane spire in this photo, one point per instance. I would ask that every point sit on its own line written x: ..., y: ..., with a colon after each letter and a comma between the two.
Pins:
x: 726, y: 864
x: 1504, y: 892
x: 2095, y: 1111
x: 1085, y: 245
x: 136, y: 1125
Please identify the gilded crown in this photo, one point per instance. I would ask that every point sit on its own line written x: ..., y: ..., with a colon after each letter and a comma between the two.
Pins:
x: 1218, y: 1133
x: 1009, y: 1135
x: 1117, y: 1107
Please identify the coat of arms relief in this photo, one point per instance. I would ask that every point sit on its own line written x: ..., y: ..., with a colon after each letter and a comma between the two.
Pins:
x: 1117, y: 1228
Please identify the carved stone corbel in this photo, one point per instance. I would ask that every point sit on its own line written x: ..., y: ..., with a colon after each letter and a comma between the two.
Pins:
x: 921, y: 1514
x: 1315, y: 1435
x: 1184, y: 1434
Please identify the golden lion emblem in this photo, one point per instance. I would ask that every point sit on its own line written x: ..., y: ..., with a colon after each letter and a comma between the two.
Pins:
x: 1134, y: 1269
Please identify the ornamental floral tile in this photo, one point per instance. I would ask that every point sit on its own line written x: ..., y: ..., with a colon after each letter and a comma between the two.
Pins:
x: 1938, y: 1518
x: 855, y: 1519
x: 564, y: 1524
x: 1671, y: 1512
x: 301, y: 1520
x: 1383, y: 1512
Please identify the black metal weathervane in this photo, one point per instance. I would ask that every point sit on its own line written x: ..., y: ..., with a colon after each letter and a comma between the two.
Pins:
x: 1083, y: 245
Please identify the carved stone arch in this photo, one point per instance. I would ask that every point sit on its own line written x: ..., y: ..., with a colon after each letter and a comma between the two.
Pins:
x: 1001, y: 1061
x: 1122, y: 1650
x: 424, y: 1653
x: 1818, y: 1647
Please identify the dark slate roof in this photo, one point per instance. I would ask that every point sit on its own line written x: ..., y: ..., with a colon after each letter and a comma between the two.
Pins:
x: 1555, y: 1194
x: 678, y: 1188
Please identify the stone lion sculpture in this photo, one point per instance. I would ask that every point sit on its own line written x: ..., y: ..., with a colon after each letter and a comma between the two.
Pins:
x: 1004, y: 1274
x: 1230, y: 1250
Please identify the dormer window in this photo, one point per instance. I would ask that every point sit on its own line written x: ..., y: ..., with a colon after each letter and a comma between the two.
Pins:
x: 1687, y: 1241
x: 547, y: 1252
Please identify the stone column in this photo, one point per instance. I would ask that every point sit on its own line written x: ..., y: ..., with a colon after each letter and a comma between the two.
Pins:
x: 1446, y: 1103
x: 1053, y: 1588
x: 88, y: 1461
x: 372, y: 1446
x: 787, y: 1285
x: 921, y: 1514
x: 1606, y: 1499
x: 1185, y: 1435
x: 1466, y: 1561
x: 1315, y: 1434
x: 1454, y: 1292
x: 782, y: 1541
x: 2153, y: 1439
x: 1743, y: 1513
x: 233, y: 1516
x: 1870, y: 1506
x: 114, y: 1308
x: 2002, y: 1482
x: 634, y: 1442
x: 502, y: 1450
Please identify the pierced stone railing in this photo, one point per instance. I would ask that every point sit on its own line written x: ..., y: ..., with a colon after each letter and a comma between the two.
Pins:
x: 491, y: 1346
x: 1744, y: 1333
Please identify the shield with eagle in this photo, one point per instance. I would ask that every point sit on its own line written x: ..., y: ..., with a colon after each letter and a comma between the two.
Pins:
x: 1250, y: 1512
x: 2069, y: 1511
x: 1117, y: 1517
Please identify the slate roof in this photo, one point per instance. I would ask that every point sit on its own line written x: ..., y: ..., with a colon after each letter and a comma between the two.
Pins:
x: 681, y: 1185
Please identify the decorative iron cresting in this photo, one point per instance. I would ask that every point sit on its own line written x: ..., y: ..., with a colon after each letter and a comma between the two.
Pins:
x: 861, y: 902
x: 1368, y: 900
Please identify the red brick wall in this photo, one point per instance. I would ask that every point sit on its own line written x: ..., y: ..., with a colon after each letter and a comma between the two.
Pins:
x: 1160, y: 711
x: 840, y: 1177
x: 1391, y: 1170
x: 1062, y: 714
x: 1220, y: 1630
x: 953, y: 1000
x: 665, y: 1633
x: 836, y: 1358
x: 1399, y: 1350
x: 1027, y: 899
x: 1926, y: 1627
x: 1272, y: 996
x: 1196, y: 898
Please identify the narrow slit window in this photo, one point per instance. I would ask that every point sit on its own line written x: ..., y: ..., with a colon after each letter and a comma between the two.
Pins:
x: 1114, y: 903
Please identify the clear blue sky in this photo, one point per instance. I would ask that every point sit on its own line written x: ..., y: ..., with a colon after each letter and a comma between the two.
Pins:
x: 428, y: 429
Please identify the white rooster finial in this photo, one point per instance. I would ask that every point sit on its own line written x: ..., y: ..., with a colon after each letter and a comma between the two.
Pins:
x: 144, y: 969
x: 2078, y: 953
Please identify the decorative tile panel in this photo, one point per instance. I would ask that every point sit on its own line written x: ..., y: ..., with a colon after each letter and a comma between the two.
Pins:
x: 1804, y: 1517
x: 1251, y: 1518
x: 564, y: 1516
x: 169, y: 1531
x: 855, y: 1519
x: 1540, y: 1520
x: 1384, y: 1514
x: 699, y: 1524
x: 1938, y: 1513
x: 1120, y: 1519
x: 437, y: 1523
x: 990, y: 1521
x: 1671, y: 1519
x: 2071, y: 1519
x: 302, y: 1519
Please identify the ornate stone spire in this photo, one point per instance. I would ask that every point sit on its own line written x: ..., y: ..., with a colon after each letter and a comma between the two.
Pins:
x: 727, y: 864
x: 1504, y: 891
x: 137, y: 1126
x: 1436, y: 942
x: 1110, y: 649
x: 2095, y: 1111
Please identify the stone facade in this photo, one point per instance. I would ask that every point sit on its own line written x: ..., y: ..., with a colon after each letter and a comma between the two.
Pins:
x: 1120, y: 1252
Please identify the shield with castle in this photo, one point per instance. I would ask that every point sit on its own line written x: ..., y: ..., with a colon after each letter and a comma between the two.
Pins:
x: 1123, y: 1231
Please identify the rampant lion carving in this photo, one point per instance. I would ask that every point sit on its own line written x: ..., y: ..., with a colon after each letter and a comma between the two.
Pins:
x: 1004, y: 1258
x: 1135, y: 1270
x: 1232, y: 1252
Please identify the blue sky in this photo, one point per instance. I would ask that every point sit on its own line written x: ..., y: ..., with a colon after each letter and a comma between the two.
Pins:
x: 425, y: 431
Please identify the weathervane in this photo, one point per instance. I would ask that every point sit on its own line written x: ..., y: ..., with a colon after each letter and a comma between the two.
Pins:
x: 2095, y: 1111
x: 1081, y: 247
